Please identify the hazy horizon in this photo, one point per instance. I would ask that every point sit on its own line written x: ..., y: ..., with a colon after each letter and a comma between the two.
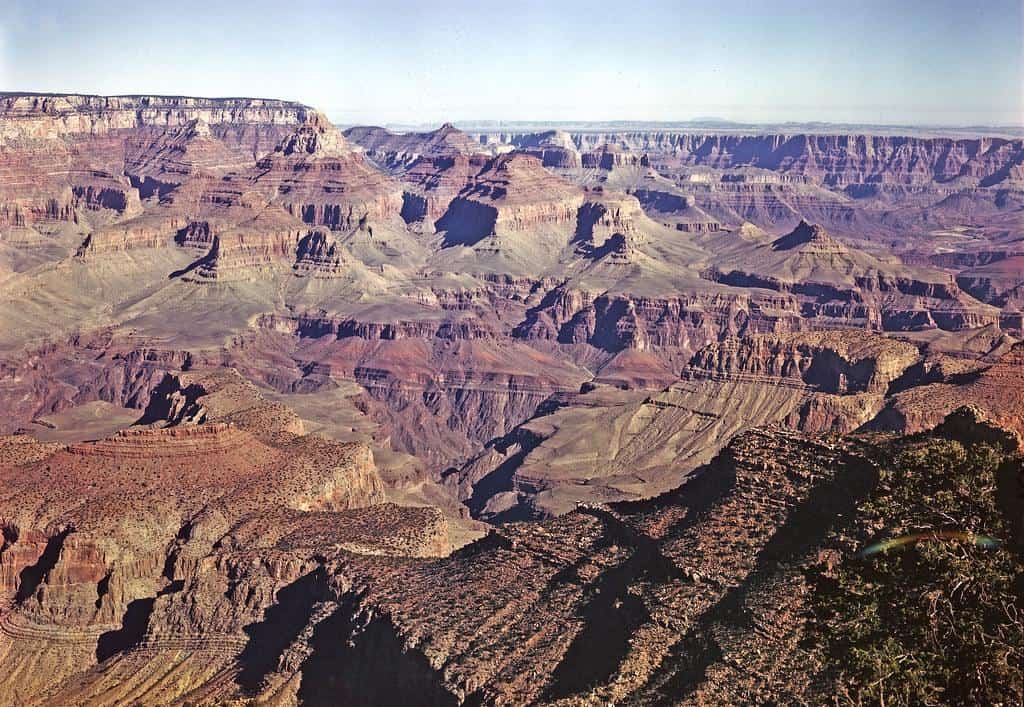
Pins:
x: 912, y: 63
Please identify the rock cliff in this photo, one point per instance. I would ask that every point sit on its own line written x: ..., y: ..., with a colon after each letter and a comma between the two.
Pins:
x: 605, y: 444
x: 837, y: 160
x: 399, y: 150
x: 846, y: 285
x: 36, y: 116
x: 511, y: 194
x: 215, y: 482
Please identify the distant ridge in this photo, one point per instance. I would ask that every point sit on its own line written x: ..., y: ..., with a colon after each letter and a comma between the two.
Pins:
x: 718, y: 125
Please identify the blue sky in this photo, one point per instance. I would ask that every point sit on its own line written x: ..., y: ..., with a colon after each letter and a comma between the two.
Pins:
x: 896, y: 61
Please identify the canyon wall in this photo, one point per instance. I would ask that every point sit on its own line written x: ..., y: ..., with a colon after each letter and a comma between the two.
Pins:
x: 836, y: 160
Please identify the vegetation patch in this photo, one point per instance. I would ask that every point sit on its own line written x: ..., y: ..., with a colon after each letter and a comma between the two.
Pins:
x: 939, y: 620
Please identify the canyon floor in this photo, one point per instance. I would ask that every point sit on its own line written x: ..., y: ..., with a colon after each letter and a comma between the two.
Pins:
x: 296, y: 415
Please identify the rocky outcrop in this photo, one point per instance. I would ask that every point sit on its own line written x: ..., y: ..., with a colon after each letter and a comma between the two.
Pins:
x: 150, y: 231
x: 842, y: 286
x: 512, y: 194
x: 318, y: 254
x: 396, y: 151
x: 316, y: 179
x: 613, y: 322
x: 554, y: 148
x: 555, y: 156
x: 174, y: 442
x: 604, y: 214
x: 432, y: 183
x: 998, y: 390
x: 93, y: 569
x: 609, y: 157
x: 831, y: 362
x: 811, y: 240
x: 829, y: 414
x: 318, y: 325
x: 249, y: 251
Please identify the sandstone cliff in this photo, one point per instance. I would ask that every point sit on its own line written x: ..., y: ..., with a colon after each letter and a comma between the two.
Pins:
x: 837, y: 160
x: 512, y: 194
x: 34, y: 116
x: 219, y: 483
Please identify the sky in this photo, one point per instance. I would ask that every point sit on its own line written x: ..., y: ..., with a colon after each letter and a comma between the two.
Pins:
x: 922, y: 62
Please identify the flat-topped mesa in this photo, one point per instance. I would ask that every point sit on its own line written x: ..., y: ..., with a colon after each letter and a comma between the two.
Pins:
x: 92, y: 537
x: 556, y: 148
x: 178, y: 442
x: 191, y: 213
x: 831, y: 362
x: 229, y: 260
x: 258, y: 247
x: 319, y: 324
x: 526, y: 141
x: 211, y: 439
x: 149, y: 231
x: 35, y: 116
x: 512, y: 194
x: 678, y: 210
x: 554, y: 156
x: 178, y: 470
x: 266, y: 246
x: 681, y: 323
x: 218, y: 395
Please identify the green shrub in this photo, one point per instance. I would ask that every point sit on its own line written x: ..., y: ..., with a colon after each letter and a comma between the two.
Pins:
x: 936, y: 622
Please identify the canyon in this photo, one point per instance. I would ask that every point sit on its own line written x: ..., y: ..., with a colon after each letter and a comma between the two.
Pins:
x: 301, y: 415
